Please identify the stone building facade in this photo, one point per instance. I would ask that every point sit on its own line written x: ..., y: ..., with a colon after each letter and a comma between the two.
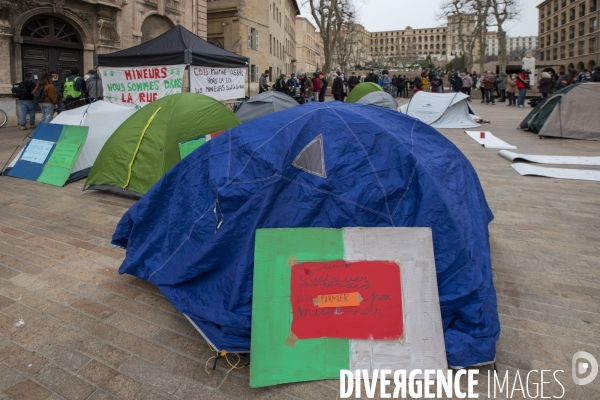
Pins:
x: 309, y: 46
x: 41, y: 36
x: 262, y: 30
x: 568, y: 34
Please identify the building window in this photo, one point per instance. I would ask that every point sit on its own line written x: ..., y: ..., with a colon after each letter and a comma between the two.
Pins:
x: 562, y: 52
x: 572, y: 50
x: 593, y: 45
x: 542, y: 56
x: 563, y: 18
x: 593, y: 5
x: 582, y: 10
x: 252, y: 38
x: 581, y: 28
x: 548, y: 9
x: 572, y: 14
x: 563, y: 3
x: 593, y: 25
x: 581, y: 47
x: 548, y: 55
x: 556, y: 21
x: 555, y: 53
x: 543, y: 12
x: 555, y: 37
x: 563, y: 35
x: 555, y: 5
x: 254, y: 76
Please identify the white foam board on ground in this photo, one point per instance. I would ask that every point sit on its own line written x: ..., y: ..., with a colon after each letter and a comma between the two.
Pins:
x: 490, y: 141
x: 565, y: 160
x: 559, y: 173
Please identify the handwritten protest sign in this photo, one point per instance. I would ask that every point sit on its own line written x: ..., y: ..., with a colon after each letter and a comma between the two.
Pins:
x: 138, y: 86
x: 371, y: 307
x: 218, y: 83
x: 37, y: 151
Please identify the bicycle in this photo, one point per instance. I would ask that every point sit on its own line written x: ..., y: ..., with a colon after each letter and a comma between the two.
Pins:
x: 3, y: 118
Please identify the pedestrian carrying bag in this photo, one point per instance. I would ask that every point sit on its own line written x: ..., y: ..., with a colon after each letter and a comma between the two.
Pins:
x: 19, y: 90
x: 39, y: 94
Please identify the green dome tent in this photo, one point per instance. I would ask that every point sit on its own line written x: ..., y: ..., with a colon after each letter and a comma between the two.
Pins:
x: 146, y: 145
x: 362, y: 89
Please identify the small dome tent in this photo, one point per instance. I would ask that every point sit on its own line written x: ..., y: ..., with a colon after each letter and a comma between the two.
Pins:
x: 380, y: 99
x: 441, y: 110
x: 263, y: 104
x: 568, y: 113
x: 146, y: 145
x: 361, y: 90
x: 328, y: 165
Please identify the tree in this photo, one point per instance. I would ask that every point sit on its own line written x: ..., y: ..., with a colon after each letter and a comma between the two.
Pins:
x: 504, y: 11
x: 330, y: 16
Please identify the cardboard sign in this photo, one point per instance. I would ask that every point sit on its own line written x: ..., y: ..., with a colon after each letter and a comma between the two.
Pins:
x: 219, y: 83
x: 37, y: 151
x: 138, y: 86
x: 378, y: 317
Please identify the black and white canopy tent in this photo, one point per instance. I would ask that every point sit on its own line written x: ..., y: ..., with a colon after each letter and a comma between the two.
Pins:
x: 176, y: 46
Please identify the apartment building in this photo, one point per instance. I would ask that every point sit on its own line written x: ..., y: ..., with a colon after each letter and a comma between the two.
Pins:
x: 407, y: 45
x: 568, y: 34
x: 264, y: 31
x: 309, y: 46
x: 513, y: 44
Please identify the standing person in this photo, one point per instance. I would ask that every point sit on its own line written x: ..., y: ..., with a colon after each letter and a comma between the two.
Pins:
x: 94, y: 86
x: 344, y: 87
x: 317, y: 84
x: 425, y: 83
x: 400, y: 84
x: 488, y: 84
x: 24, y: 92
x: 372, y: 77
x: 435, y: 85
x: 281, y: 84
x: 59, y: 86
x: 394, y: 87
x: 74, y: 89
x: 45, y: 96
x: 323, y: 91
x: 456, y: 82
x: 501, y: 84
x: 480, y: 87
x: 336, y: 88
x: 467, y: 83
x: 545, y: 84
x: 511, y: 89
x: 307, y: 87
x: 380, y: 81
x: 387, y: 83
x: 263, y: 85
x: 522, y: 85
x: 417, y: 83
x: 353, y: 81
x: 292, y: 86
x: 441, y: 88
x: 596, y: 75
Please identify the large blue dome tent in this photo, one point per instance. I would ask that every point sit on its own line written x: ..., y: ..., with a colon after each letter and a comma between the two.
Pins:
x: 329, y: 165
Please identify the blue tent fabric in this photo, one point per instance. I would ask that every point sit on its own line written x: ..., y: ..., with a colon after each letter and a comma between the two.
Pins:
x: 193, y: 233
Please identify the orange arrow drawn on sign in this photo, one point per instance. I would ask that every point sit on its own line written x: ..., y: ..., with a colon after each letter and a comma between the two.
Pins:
x: 338, y: 300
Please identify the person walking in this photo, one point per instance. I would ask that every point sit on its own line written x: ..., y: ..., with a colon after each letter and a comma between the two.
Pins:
x: 336, y: 88
x: 323, y: 91
x: 467, y: 83
x: 501, y: 84
x: 45, y: 95
x: 263, y: 85
x: 545, y: 84
x: 74, y: 90
x: 94, y: 86
x: 511, y: 90
x: 522, y: 85
x: 317, y: 84
x: 24, y: 93
x: 353, y: 81
x: 59, y: 86
x: 488, y: 84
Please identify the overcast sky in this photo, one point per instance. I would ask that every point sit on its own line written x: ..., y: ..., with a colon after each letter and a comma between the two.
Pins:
x: 383, y: 15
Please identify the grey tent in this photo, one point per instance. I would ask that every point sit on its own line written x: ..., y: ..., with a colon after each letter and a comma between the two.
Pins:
x: 571, y: 114
x: 381, y: 99
x: 263, y: 104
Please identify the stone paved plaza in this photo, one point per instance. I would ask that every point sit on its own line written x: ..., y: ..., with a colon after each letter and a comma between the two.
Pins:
x: 89, y: 333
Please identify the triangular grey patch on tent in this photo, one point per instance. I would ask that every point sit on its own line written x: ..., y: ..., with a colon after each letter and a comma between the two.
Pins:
x: 312, y: 158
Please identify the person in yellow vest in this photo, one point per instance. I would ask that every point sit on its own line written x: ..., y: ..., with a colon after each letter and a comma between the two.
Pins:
x: 425, y: 84
x: 74, y: 90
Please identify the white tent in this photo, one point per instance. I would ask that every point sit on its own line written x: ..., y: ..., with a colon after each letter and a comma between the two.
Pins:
x: 441, y: 110
x: 102, y: 118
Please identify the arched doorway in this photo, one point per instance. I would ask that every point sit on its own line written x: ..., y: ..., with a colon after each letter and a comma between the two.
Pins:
x: 580, y: 66
x: 591, y: 65
x: 50, y: 44
x: 155, y: 25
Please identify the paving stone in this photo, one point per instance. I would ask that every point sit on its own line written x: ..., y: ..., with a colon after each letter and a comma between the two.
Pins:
x: 151, y: 374
x: 95, y: 309
x: 145, y: 393
x: 110, y: 379
x: 142, y: 347
x: 63, y: 356
x: 21, y: 359
x: 194, y: 370
x: 27, y: 390
x: 132, y: 324
x: 63, y: 383
x: 190, y: 390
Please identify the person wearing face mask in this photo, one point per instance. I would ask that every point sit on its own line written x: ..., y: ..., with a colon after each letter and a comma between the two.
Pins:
x: 58, y: 86
x: 511, y: 89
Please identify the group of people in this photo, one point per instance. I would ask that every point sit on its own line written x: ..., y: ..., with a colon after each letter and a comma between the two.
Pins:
x: 307, y: 89
x: 54, y: 95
